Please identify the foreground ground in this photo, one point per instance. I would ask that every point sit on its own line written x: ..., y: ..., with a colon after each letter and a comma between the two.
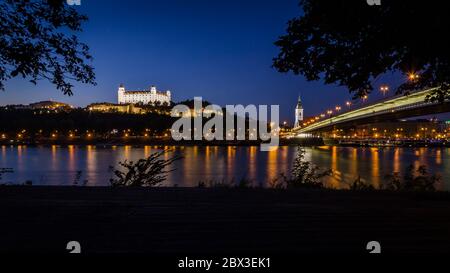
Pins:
x: 220, y: 221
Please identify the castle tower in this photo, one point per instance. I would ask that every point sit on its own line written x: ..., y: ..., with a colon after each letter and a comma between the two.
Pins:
x: 121, y: 94
x: 298, y: 112
x: 169, y: 96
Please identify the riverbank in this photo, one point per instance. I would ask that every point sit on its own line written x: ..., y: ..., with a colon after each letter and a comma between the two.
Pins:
x: 141, y: 141
x: 221, y: 221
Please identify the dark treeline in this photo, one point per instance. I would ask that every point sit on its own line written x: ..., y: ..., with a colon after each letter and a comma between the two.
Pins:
x: 31, y: 124
x: 34, y: 121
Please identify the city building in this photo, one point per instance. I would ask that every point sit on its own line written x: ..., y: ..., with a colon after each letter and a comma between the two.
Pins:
x: 396, y: 129
x: 298, y: 112
x: 420, y: 128
x: 151, y: 96
x: 116, y: 108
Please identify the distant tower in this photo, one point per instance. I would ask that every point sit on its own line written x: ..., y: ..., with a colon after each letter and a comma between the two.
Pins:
x: 298, y: 112
x: 153, y: 90
x: 121, y: 94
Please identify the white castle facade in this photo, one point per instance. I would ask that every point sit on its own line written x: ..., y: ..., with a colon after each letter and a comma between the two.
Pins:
x: 143, y: 96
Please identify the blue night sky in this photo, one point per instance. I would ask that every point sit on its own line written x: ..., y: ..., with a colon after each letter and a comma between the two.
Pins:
x: 220, y: 50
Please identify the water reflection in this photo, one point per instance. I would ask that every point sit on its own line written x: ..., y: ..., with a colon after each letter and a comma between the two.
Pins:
x: 57, y: 165
x: 396, y: 160
x: 252, y: 162
x: 3, y: 155
x: 336, y: 179
x: 71, y: 161
x: 375, y: 173
x: 231, y: 153
x: 438, y: 157
x: 20, y: 157
x: 353, y: 164
x: 91, y: 162
x: 147, y: 150
x: 54, y: 158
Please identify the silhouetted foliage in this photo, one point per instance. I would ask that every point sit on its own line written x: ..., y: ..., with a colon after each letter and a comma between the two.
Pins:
x: 414, y: 179
x: 243, y: 183
x: 148, y: 172
x: 35, y: 44
x: 277, y: 182
x: 359, y: 185
x: 219, y: 183
x: 351, y: 43
x: 304, y: 173
x: 77, y: 178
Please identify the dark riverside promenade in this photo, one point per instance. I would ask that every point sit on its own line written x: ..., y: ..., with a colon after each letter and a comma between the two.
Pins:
x: 220, y: 221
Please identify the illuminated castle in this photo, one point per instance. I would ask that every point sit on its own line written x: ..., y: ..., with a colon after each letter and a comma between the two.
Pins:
x: 151, y: 96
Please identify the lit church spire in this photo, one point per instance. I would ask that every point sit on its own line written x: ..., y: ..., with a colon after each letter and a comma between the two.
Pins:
x: 298, y: 112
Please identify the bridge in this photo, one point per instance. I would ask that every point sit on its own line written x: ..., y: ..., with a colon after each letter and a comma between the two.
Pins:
x: 392, y: 108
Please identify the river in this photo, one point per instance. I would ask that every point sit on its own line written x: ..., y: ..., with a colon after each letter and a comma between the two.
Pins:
x: 59, y: 165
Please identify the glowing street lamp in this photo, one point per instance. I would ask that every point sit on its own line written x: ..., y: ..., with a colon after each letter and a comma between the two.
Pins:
x: 348, y: 103
x: 338, y: 108
x: 413, y: 76
x: 384, y: 89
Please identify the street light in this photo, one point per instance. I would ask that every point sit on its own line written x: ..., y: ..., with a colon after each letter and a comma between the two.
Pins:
x: 413, y: 76
x: 348, y: 103
x: 384, y: 89
x: 338, y: 108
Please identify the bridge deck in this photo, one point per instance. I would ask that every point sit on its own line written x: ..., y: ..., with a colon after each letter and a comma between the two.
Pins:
x: 396, y: 104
